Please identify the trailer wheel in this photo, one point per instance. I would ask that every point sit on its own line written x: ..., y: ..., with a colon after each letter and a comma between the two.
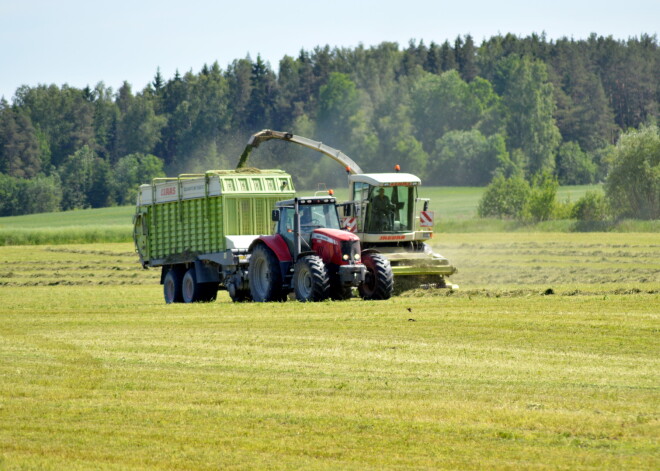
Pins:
x: 193, y: 292
x: 172, y: 289
x: 310, y: 279
x: 264, y: 276
x: 379, y: 280
x: 190, y: 288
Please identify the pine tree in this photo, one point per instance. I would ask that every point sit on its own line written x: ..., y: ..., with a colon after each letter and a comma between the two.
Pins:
x: 433, y: 62
x: 447, y: 57
x: 466, y: 58
x: 19, y: 147
x: 158, y: 82
x: 261, y: 105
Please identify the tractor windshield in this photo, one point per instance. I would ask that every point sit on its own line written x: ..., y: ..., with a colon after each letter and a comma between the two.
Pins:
x: 312, y: 216
x: 390, y: 209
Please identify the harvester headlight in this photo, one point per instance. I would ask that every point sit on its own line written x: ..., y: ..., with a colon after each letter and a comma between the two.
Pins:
x: 346, y: 256
x: 356, y: 257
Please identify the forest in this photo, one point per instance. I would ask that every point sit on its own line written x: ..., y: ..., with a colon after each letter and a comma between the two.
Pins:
x: 455, y: 114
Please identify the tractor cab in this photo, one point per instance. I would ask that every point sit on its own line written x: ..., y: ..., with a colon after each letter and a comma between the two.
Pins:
x: 314, y: 212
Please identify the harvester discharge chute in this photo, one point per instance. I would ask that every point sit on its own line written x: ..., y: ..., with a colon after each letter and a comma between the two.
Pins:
x: 385, y: 212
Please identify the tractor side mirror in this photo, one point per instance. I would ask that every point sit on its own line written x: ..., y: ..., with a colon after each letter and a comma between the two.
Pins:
x: 275, y: 215
x: 426, y: 205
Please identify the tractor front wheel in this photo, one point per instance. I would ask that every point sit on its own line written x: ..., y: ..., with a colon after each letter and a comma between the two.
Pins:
x: 310, y: 279
x: 379, y: 280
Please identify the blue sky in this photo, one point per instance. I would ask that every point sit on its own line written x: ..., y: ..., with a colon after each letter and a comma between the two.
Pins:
x: 84, y: 42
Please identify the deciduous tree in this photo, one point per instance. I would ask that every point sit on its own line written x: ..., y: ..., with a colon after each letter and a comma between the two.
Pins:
x: 633, y: 184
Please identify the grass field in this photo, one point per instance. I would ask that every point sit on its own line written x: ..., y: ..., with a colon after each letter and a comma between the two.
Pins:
x: 96, y: 372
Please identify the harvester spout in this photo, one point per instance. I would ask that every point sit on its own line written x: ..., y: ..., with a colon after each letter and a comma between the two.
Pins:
x: 267, y: 134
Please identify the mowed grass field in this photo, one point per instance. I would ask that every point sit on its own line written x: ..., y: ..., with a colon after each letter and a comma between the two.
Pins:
x: 546, y: 358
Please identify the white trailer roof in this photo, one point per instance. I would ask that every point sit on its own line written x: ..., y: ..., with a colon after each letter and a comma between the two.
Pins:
x: 386, y: 179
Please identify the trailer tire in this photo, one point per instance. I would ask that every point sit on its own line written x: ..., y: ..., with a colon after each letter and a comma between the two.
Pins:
x: 264, y: 276
x: 172, y: 287
x: 379, y: 280
x: 310, y: 279
x: 189, y: 286
x: 193, y: 292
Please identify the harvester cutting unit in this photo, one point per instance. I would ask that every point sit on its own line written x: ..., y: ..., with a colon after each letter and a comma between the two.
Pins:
x: 386, y: 213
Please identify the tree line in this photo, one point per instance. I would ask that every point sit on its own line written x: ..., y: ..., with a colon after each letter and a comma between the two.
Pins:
x: 631, y: 189
x: 452, y: 113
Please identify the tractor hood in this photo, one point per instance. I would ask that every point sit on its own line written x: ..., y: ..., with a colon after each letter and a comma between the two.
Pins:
x: 334, y: 236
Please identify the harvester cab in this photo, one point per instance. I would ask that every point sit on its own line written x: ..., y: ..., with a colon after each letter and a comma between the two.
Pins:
x: 387, y: 214
x: 383, y: 207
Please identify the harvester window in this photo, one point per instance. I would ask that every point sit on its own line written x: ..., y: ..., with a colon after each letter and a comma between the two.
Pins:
x: 403, y: 200
x: 381, y: 211
x: 360, y: 191
x: 390, y: 209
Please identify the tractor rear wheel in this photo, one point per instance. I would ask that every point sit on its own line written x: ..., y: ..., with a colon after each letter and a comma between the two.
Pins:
x: 264, y: 276
x: 310, y: 279
x: 379, y: 280
x: 172, y: 286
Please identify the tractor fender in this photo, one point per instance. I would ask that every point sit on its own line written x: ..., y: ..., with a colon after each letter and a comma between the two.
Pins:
x: 370, y: 250
x: 275, y: 243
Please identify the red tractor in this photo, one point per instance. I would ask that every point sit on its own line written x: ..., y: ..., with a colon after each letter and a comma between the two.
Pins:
x: 310, y: 255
